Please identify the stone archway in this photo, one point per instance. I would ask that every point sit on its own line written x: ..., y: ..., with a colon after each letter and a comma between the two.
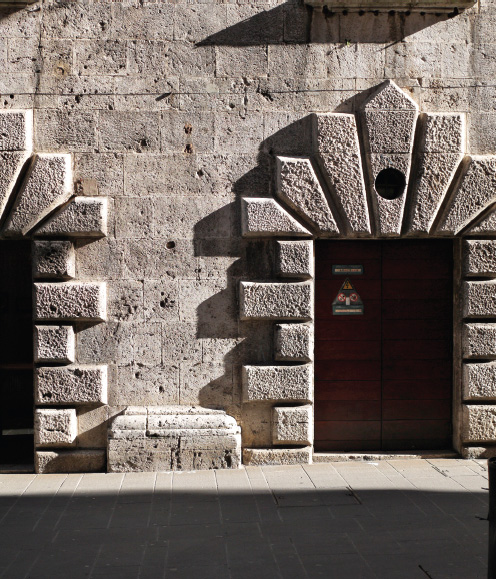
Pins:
x: 334, y: 194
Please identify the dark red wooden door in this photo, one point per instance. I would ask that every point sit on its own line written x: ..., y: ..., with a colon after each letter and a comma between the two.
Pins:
x: 383, y: 379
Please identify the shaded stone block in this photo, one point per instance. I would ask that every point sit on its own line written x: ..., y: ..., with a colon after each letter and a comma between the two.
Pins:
x: 294, y: 259
x: 264, y: 216
x: 277, y: 456
x: 57, y: 461
x: 479, y: 299
x: 55, y: 427
x: 54, y: 344
x: 276, y: 301
x: 83, y: 301
x: 479, y: 341
x: 16, y: 130
x: 479, y: 423
x: 292, y: 425
x: 479, y: 257
x: 277, y: 383
x: 54, y: 259
x: 294, y: 342
x: 83, y: 217
x: 479, y: 381
x: 71, y: 385
x: 11, y: 164
x: 478, y: 452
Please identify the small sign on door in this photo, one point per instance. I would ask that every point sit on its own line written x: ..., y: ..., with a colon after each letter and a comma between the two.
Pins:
x: 347, y: 302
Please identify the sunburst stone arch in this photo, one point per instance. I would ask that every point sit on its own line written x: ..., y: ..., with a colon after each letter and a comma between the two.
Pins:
x: 387, y: 172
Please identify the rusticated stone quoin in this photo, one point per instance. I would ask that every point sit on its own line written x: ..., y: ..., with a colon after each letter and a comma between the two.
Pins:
x: 56, y: 461
x: 294, y: 342
x: 277, y: 383
x: 479, y: 257
x: 294, y: 259
x: 84, y: 301
x: 54, y: 259
x: 82, y: 217
x: 276, y: 301
x: 479, y: 423
x: 292, y: 425
x: 479, y: 299
x: 479, y: 341
x: 277, y: 456
x: 54, y: 344
x: 479, y: 381
x: 55, y: 427
x: 265, y: 217
x: 71, y: 385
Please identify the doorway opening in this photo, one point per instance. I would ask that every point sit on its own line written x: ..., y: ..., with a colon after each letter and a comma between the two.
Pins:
x: 384, y: 371
x: 16, y: 357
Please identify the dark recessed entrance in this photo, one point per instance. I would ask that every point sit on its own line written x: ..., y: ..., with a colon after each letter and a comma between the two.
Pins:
x: 383, y: 379
x: 16, y: 355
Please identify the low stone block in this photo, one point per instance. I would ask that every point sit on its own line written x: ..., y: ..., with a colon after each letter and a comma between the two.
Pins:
x: 479, y: 423
x: 54, y: 344
x: 16, y: 130
x: 265, y: 217
x: 276, y: 301
x: 478, y: 452
x: 292, y: 425
x: 54, y: 259
x: 294, y: 342
x: 62, y: 461
x: 71, y: 385
x: 479, y: 341
x: 294, y: 259
x: 55, y: 427
x: 479, y: 299
x: 277, y: 456
x: 82, y: 301
x: 277, y: 383
x: 83, y: 217
x: 479, y: 257
x: 479, y: 381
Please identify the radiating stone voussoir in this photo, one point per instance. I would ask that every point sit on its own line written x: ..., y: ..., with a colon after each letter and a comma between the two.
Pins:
x: 263, y: 216
x: 82, y: 217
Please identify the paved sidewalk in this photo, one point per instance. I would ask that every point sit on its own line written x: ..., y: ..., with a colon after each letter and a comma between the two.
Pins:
x: 393, y: 519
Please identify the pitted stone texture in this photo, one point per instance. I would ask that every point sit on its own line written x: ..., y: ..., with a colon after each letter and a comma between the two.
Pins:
x: 294, y: 342
x: 69, y: 385
x: 443, y: 133
x: 388, y: 131
x: 479, y: 299
x: 475, y: 192
x: 294, y: 259
x: 262, y: 216
x: 16, y: 130
x: 277, y: 383
x: 298, y: 186
x: 54, y: 259
x: 479, y: 341
x: 55, y: 427
x: 11, y: 164
x: 48, y: 183
x: 57, y: 461
x: 485, y: 226
x: 336, y: 143
x: 479, y: 423
x: 277, y: 456
x: 479, y: 381
x: 390, y: 97
x: 83, y: 217
x: 479, y: 257
x: 54, y: 344
x: 85, y: 301
x: 292, y: 425
x: 276, y: 301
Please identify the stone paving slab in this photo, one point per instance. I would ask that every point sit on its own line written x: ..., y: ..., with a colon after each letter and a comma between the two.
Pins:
x: 407, y: 519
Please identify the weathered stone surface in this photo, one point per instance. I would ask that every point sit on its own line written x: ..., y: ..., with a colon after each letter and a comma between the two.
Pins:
x: 479, y: 299
x: 48, y: 183
x: 54, y: 259
x: 474, y: 194
x: 298, y: 186
x: 181, y: 421
x: 443, y: 133
x: 390, y: 97
x: 479, y: 423
x: 389, y: 131
x: 16, y: 130
x: 11, y: 164
x: 83, y: 301
x: 58, y: 461
x: 277, y: 383
x: 336, y: 143
x: 292, y: 425
x: 264, y: 216
x: 276, y: 301
x: 54, y: 344
x: 294, y: 342
x: 71, y: 385
x: 55, y: 427
x: 83, y: 217
x: 485, y: 226
x: 478, y: 452
x: 479, y: 381
x: 277, y: 456
x: 479, y: 341
x: 479, y: 257
x: 294, y: 259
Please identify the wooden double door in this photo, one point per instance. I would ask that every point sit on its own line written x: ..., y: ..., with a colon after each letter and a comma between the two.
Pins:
x: 383, y: 378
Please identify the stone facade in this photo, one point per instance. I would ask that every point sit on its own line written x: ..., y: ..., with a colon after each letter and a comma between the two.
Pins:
x: 173, y: 163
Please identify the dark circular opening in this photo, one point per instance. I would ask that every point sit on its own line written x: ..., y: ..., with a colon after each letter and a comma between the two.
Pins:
x: 170, y: 244
x: 390, y: 183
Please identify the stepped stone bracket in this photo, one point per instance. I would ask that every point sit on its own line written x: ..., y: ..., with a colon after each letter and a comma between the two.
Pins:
x: 263, y: 216
x: 294, y: 259
x: 276, y: 301
x: 54, y: 344
x: 54, y: 259
x: 78, y: 301
x: 277, y: 383
x: 292, y: 425
x: 55, y: 427
x: 82, y: 217
x: 293, y: 342
x: 71, y: 385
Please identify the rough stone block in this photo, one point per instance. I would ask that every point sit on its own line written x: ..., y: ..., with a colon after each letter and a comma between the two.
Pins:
x: 298, y: 186
x: 277, y: 383
x: 264, y: 216
x: 54, y: 259
x: 479, y: 257
x: 71, y: 385
x: 62, y: 461
x: 276, y: 301
x: 443, y: 133
x: 336, y: 142
x: 83, y: 301
x: 479, y: 423
x: 16, y: 130
x: 277, y: 456
x: 294, y: 342
x: 390, y: 97
x: 484, y: 226
x: 55, y: 427
x: 292, y: 425
x: 479, y: 299
x: 478, y: 452
x: 479, y: 341
x: 11, y: 164
x: 479, y: 381
x: 48, y: 183
x: 294, y: 259
x: 83, y: 217
x: 54, y: 344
